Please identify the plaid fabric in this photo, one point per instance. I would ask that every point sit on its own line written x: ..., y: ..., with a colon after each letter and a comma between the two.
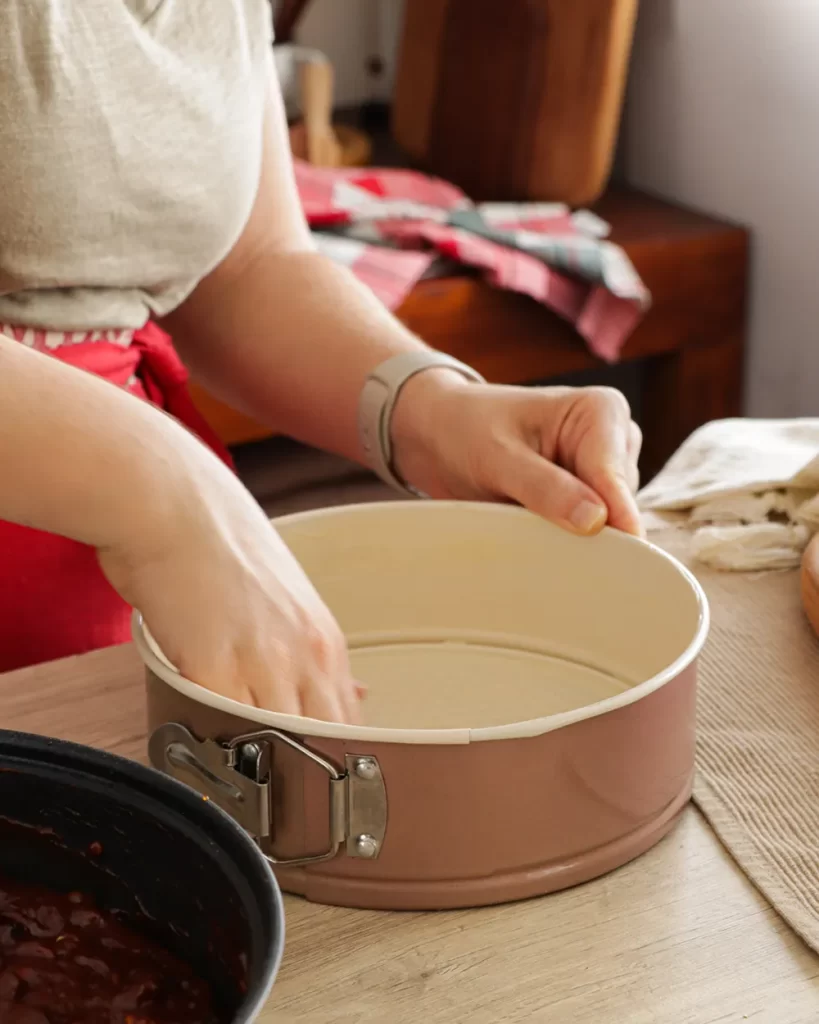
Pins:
x: 391, y: 226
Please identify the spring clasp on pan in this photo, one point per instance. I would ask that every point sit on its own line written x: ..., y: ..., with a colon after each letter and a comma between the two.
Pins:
x: 238, y: 777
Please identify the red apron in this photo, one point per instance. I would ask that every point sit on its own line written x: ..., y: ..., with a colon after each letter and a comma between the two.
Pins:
x: 54, y: 600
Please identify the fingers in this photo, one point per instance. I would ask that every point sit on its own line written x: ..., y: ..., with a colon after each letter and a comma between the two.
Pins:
x: 315, y: 693
x: 635, y: 444
x: 617, y: 491
x: 596, y: 477
x: 308, y: 679
x: 282, y: 696
x: 549, y: 491
x: 262, y: 675
x: 324, y: 700
x: 328, y: 689
x: 605, y: 455
x: 330, y: 698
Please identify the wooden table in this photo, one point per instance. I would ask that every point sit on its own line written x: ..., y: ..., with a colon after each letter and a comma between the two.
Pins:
x: 690, y: 345
x: 679, y: 937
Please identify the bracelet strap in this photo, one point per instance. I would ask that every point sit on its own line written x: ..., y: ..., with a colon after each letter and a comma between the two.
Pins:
x: 378, y: 398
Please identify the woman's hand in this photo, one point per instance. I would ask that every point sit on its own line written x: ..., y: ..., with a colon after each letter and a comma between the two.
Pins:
x: 568, y: 454
x: 227, y: 602
x: 176, y: 534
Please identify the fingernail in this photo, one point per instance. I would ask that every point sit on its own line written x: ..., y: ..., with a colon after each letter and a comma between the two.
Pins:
x: 588, y: 517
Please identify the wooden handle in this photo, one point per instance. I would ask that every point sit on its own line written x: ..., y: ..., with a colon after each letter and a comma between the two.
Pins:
x: 316, y: 84
x: 810, y: 582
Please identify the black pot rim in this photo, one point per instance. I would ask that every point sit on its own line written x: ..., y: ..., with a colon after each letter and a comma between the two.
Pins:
x: 219, y: 826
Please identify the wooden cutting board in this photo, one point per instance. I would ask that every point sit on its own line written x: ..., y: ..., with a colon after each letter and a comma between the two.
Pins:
x: 514, y: 99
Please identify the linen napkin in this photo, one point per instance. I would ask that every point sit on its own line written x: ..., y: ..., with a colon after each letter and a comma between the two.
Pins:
x: 747, y: 489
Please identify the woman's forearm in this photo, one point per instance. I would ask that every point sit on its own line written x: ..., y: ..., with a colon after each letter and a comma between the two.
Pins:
x: 290, y: 340
x: 79, y: 457
x: 279, y: 331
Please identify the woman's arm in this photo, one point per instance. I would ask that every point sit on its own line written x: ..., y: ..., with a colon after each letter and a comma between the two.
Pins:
x: 289, y: 337
x: 83, y: 459
x: 281, y: 332
x: 176, y: 534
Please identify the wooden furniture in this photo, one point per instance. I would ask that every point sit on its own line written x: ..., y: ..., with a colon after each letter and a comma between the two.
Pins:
x: 514, y: 101
x: 677, y: 937
x: 690, y: 344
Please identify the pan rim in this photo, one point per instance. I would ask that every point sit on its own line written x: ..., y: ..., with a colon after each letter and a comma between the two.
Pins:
x: 163, y: 670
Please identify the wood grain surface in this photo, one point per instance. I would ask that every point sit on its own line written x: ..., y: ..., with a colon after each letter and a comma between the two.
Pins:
x: 678, y: 937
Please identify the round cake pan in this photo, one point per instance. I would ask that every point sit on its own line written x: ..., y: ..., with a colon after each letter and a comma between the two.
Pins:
x: 164, y: 861
x: 529, y: 724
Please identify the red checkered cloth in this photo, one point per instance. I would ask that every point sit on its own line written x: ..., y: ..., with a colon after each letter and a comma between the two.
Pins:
x: 391, y: 226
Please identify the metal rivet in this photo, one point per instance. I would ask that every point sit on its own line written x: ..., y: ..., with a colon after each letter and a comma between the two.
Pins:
x: 366, y: 768
x: 247, y: 760
x: 366, y: 846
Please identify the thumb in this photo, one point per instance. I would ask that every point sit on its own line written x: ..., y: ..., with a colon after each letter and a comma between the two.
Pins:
x: 551, y: 492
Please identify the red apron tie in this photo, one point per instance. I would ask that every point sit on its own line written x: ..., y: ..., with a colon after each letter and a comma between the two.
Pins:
x: 165, y: 381
x: 54, y: 599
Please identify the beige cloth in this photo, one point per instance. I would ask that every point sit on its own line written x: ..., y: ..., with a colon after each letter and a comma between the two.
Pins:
x: 748, y: 489
x: 758, y: 732
x: 131, y: 140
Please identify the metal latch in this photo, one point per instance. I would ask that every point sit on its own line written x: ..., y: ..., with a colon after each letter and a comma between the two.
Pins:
x: 237, y: 776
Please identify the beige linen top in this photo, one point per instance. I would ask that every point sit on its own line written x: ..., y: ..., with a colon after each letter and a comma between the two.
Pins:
x: 130, y: 150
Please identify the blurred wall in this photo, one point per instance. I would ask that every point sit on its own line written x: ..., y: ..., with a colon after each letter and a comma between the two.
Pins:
x: 723, y: 114
x: 350, y: 32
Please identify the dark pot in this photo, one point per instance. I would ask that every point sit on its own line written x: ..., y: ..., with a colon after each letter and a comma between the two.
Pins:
x: 151, y: 849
